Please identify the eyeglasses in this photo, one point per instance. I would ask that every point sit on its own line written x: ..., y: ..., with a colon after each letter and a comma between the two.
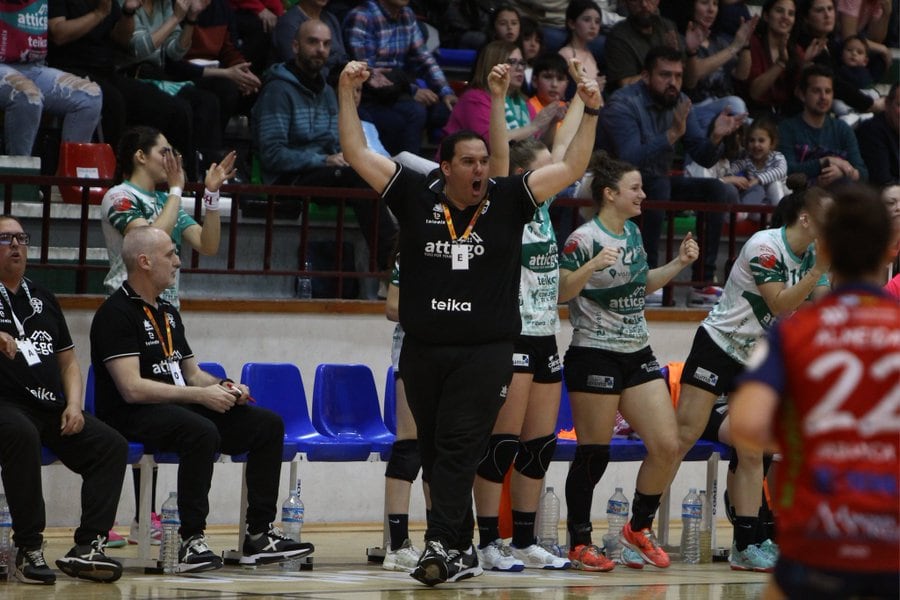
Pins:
x: 7, y: 238
x: 516, y: 63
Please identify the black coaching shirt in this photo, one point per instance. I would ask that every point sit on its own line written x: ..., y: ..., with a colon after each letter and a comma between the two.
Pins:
x: 441, y: 305
x: 44, y: 324
x: 121, y: 328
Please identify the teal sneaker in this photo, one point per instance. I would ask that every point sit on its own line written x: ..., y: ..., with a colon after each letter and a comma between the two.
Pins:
x: 632, y: 559
x: 752, y: 558
x: 770, y: 548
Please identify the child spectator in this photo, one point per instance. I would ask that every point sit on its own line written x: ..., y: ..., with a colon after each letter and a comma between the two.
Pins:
x: 583, y: 19
x: 854, y: 68
x: 505, y: 24
x: 760, y: 176
x: 532, y: 42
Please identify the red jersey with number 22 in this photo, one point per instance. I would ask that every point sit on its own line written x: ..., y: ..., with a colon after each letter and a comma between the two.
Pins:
x: 838, y: 427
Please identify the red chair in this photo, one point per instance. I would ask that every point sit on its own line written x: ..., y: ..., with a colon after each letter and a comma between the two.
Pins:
x: 89, y: 161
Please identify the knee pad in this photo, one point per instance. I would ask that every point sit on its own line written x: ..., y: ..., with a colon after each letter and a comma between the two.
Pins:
x: 591, y: 460
x: 501, y: 452
x: 534, y: 456
x: 733, y: 461
x: 405, y: 461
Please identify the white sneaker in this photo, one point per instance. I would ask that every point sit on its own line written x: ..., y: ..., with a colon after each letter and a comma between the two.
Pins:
x: 403, y: 559
x: 497, y: 557
x: 537, y: 557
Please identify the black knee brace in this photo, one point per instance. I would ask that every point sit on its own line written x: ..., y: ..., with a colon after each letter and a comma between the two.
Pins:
x: 534, y: 456
x: 733, y: 461
x: 405, y: 461
x: 501, y: 452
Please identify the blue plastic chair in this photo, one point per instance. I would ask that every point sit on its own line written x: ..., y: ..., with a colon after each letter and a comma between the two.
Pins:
x: 345, y: 405
x: 279, y: 387
x: 213, y: 368
x: 390, y: 401
x: 135, y: 450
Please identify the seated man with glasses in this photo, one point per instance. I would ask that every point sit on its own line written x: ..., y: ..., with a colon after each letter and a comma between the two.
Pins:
x: 40, y: 405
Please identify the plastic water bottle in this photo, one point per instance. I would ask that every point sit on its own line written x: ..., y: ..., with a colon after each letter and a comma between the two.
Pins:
x: 617, y: 508
x: 705, y: 529
x: 292, y: 515
x: 5, y: 541
x: 548, y: 513
x: 171, y: 540
x: 691, y: 515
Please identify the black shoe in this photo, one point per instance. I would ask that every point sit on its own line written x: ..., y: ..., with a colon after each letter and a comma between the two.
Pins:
x: 90, y: 562
x: 32, y: 568
x: 195, y: 556
x: 433, y: 566
x: 463, y: 565
x: 273, y: 546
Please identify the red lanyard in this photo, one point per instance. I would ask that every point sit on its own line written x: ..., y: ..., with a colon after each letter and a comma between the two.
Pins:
x: 168, y: 352
x: 471, y: 226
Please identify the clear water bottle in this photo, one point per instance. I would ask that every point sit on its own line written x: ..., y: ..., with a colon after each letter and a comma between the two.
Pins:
x: 171, y: 540
x: 617, y: 508
x: 292, y: 515
x: 548, y: 532
x: 691, y: 515
x: 5, y: 541
x: 705, y: 529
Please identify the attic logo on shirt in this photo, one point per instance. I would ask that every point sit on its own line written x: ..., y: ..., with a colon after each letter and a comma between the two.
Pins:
x: 162, y: 367
x: 442, y: 249
x: 43, y: 342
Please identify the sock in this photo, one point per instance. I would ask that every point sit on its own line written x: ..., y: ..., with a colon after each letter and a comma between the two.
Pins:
x: 523, y: 528
x: 643, y: 509
x: 744, y: 531
x: 254, y: 536
x: 488, y: 530
x: 586, y: 470
x: 579, y: 533
x: 399, y: 529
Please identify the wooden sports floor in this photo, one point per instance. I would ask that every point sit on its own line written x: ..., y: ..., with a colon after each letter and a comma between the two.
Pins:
x: 341, y: 572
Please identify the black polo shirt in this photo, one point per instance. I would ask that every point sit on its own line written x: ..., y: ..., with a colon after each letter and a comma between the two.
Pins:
x: 441, y: 305
x: 44, y: 324
x: 122, y: 328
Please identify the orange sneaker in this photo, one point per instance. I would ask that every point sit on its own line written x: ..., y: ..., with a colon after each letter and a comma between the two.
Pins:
x: 644, y: 543
x: 588, y: 557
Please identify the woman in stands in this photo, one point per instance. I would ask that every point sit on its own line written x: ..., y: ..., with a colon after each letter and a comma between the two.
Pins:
x: 775, y: 60
x: 524, y: 435
x: 776, y: 271
x: 474, y: 107
x: 610, y: 366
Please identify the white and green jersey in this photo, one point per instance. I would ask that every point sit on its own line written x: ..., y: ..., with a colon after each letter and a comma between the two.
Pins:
x: 539, y: 282
x: 741, y: 316
x: 121, y: 205
x: 609, y: 312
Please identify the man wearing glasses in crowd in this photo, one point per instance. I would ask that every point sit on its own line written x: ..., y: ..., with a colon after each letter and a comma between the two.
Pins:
x: 40, y: 405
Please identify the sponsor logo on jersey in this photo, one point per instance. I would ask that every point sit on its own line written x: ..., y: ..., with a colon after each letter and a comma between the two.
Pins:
x: 554, y: 364
x: 650, y: 367
x: 602, y: 382
x: 504, y: 391
x: 451, y: 305
x: 520, y: 359
x: 443, y: 249
x: 43, y: 393
x: 122, y: 204
x: 43, y: 342
x: 163, y: 367
x: 37, y: 305
x: 767, y: 261
x: 706, y: 376
x: 856, y: 451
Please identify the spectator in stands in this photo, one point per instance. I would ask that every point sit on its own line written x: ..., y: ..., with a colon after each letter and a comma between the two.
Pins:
x: 775, y: 273
x: 775, y: 61
x: 256, y: 20
x: 295, y: 131
x: 163, y: 32
x: 461, y: 23
x: 879, y: 141
x: 760, y: 175
x: 28, y: 87
x: 551, y: 16
x: 532, y: 47
x: 583, y: 19
x: 604, y: 276
x: 145, y: 160
x: 630, y: 40
x: 41, y: 406
x: 84, y: 40
x: 214, y: 63
x: 385, y: 35
x: 286, y: 31
x: 890, y: 195
x: 868, y: 18
x: 818, y: 35
x: 456, y: 354
x: 714, y: 60
x: 473, y: 110
x: 814, y: 142
x: 819, y: 395
x: 505, y: 24
x: 150, y: 388
x: 641, y: 124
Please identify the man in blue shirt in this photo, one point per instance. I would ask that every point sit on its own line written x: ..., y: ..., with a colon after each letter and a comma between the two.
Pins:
x: 642, y: 124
